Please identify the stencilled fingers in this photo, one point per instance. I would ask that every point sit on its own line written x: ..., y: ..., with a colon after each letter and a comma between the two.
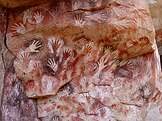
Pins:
x: 67, y: 53
x: 97, y: 17
x: 18, y: 28
x: 38, y: 17
x: 34, y: 47
x: 57, y: 42
x: 36, y: 65
x: 26, y: 15
x: 103, y: 60
x: 24, y: 56
x: 79, y: 20
x: 54, y: 45
x: 52, y: 64
x: 76, y: 5
x: 87, y: 48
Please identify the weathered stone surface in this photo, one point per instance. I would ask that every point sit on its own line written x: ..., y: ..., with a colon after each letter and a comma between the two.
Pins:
x: 79, y: 60
x: 15, y: 105
x: 156, y: 9
x: 125, y: 95
x: 20, y: 3
x: 52, y: 54
x: 58, y: 62
x: 3, y: 23
x: 124, y: 25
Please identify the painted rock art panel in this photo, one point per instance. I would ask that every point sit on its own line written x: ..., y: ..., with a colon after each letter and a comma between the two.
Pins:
x: 14, y: 105
x: 48, y: 63
x: 82, y: 60
x: 124, y: 26
x: 128, y: 94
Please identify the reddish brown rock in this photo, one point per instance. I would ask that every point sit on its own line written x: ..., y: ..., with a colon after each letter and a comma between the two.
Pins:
x: 131, y: 89
x: 155, y: 9
x: 54, y: 45
x: 83, y: 60
x: 14, y: 105
x: 48, y: 63
x: 126, y: 26
x: 20, y: 3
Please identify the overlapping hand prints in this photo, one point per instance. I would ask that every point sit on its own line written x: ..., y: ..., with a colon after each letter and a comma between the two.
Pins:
x: 131, y: 34
x: 76, y: 58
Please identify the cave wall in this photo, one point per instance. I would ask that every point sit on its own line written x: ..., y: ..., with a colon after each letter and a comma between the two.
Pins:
x: 15, y: 106
x: 79, y: 61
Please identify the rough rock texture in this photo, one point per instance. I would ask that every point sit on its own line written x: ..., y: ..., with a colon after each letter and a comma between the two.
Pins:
x: 14, y: 105
x: 50, y: 57
x: 127, y: 93
x: 81, y: 60
x: 3, y: 20
x: 20, y: 3
x: 156, y: 9
x: 128, y: 34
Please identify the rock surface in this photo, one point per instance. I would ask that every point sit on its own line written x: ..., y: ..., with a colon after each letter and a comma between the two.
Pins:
x: 155, y: 9
x: 14, y: 105
x: 20, y: 3
x: 125, y: 26
x: 126, y: 94
x: 3, y: 20
x: 80, y: 60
